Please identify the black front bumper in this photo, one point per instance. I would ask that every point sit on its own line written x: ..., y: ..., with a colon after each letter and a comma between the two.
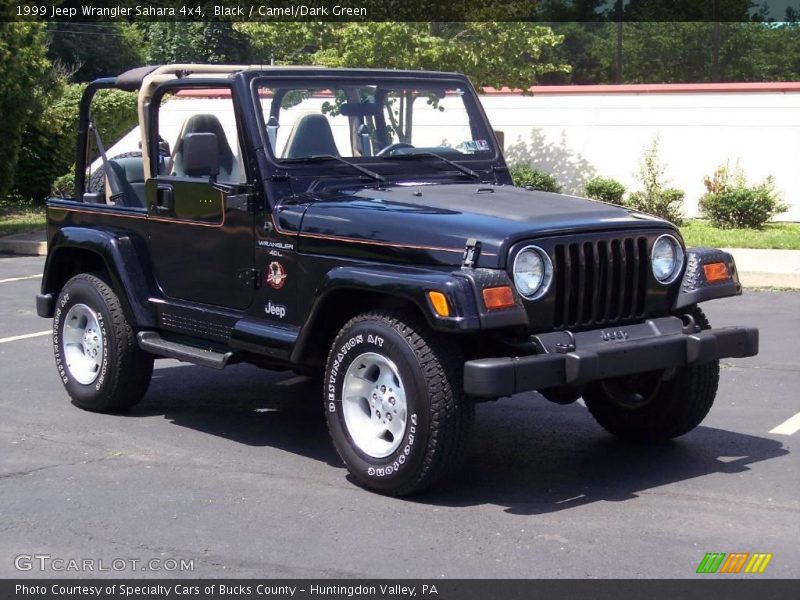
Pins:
x: 566, y: 359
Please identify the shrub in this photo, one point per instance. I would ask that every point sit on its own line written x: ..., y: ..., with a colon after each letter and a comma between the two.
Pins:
x: 655, y: 198
x: 48, y: 147
x: 48, y: 144
x: 64, y: 186
x: 607, y: 190
x: 666, y: 203
x: 528, y: 177
x: 739, y: 206
x: 24, y: 87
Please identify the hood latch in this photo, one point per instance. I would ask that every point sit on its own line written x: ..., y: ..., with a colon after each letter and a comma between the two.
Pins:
x: 471, y: 253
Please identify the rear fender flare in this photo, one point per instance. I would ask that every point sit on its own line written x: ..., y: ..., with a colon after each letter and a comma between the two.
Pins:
x: 122, y: 261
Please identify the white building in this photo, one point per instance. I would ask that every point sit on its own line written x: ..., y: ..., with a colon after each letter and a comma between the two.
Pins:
x: 577, y: 132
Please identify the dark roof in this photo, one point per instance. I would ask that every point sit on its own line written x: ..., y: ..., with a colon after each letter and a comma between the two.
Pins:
x: 130, y: 81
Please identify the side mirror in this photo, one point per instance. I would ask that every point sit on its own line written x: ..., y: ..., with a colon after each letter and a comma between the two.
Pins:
x: 201, y: 155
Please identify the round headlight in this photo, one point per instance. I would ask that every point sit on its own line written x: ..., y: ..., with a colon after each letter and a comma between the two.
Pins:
x: 667, y: 259
x: 533, y: 272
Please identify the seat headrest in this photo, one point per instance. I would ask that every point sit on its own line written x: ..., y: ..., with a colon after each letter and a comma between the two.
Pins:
x: 310, y: 136
x: 206, y: 123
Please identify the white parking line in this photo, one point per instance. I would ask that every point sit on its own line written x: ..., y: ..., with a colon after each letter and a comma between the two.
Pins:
x: 10, y: 279
x: 14, y: 338
x: 788, y: 427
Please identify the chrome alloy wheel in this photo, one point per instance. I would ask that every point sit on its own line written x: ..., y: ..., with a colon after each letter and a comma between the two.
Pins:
x: 374, y: 405
x: 83, y: 343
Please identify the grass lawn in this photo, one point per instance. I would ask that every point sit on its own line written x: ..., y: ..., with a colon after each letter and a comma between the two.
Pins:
x: 774, y: 235
x: 20, y: 215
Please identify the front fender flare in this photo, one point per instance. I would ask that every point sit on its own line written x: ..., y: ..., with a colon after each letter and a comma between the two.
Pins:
x: 409, y: 283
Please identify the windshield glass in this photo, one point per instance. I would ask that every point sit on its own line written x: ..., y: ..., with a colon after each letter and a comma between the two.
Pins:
x: 369, y: 120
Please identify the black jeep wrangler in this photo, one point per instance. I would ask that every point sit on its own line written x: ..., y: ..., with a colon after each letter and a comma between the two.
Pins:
x: 362, y: 225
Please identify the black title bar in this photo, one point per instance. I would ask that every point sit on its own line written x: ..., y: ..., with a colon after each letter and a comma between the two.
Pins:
x: 545, y: 11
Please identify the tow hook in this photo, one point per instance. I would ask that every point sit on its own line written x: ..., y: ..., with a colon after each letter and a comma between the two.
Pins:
x: 689, y: 324
x: 569, y: 346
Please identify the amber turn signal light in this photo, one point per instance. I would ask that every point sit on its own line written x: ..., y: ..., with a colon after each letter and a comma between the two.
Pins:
x: 439, y: 303
x: 499, y: 297
x: 716, y: 271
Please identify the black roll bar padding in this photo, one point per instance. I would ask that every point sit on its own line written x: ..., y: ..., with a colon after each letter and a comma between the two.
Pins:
x: 82, y: 146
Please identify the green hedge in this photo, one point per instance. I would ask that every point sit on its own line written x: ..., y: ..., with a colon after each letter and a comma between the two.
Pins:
x: 740, y: 206
x: 528, y: 177
x: 25, y: 81
x: 607, y: 190
x: 48, y: 144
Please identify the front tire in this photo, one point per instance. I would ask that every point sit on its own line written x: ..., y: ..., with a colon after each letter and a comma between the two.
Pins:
x: 97, y: 356
x: 394, y: 402
x: 656, y: 406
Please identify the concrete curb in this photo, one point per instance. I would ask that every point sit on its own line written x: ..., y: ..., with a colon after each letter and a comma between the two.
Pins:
x: 767, y: 268
x: 769, y: 280
x: 13, y: 244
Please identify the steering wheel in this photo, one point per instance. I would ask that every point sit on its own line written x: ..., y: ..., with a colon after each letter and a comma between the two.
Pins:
x: 387, y: 151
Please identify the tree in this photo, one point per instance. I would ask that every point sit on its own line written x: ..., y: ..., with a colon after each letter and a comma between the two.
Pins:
x: 589, y: 50
x: 490, y: 53
x: 657, y: 52
x: 92, y: 50
x: 287, y: 43
x: 182, y: 42
x: 24, y: 77
x: 760, y: 51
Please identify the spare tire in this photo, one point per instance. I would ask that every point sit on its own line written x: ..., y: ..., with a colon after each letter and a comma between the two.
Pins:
x: 97, y: 182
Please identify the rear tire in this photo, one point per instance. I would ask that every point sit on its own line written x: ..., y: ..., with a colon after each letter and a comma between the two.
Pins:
x: 656, y: 406
x: 97, y: 356
x: 394, y: 402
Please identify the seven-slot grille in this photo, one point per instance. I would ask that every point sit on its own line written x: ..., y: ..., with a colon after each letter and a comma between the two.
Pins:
x: 600, y: 281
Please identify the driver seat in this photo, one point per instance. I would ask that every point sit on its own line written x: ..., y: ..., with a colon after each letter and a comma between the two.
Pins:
x: 310, y: 136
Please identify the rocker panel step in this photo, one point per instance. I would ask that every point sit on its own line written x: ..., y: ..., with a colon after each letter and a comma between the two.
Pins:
x: 152, y: 342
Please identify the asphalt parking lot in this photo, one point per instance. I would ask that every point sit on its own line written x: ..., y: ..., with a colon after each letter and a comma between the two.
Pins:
x: 234, y: 470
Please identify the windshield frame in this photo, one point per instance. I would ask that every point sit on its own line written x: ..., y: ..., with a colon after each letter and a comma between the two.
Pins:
x: 384, y: 165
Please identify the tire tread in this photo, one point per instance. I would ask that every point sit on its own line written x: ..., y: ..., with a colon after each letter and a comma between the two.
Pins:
x: 451, y: 412
x: 126, y: 385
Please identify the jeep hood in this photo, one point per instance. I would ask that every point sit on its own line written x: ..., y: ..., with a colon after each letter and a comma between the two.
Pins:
x: 430, y: 224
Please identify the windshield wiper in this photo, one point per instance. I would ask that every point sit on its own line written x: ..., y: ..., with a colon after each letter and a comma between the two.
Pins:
x: 415, y: 155
x: 323, y: 157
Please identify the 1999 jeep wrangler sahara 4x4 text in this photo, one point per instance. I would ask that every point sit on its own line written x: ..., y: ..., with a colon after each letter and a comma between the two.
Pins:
x: 362, y: 223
